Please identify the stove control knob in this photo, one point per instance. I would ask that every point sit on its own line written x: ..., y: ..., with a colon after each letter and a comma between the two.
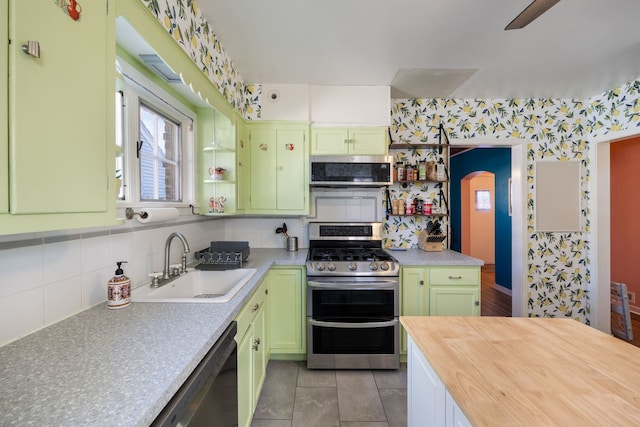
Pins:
x: 353, y: 266
x: 384, y: 266
x: 320, y: 266
x: 331, y: 266
x: 373, y: 266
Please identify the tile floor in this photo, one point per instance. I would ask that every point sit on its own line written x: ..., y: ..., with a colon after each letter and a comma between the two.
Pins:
x: 294, y: 396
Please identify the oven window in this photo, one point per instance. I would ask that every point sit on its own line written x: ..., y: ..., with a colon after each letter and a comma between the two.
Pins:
x: 361, y: 305
x: 327, y: 340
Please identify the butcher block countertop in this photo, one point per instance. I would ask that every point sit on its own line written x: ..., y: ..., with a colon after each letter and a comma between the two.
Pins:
x: 505, y: 371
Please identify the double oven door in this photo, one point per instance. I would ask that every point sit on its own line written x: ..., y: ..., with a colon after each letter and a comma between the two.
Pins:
x: 352, y: 323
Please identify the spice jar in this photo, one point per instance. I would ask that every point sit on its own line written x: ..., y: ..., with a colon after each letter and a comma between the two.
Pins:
x: 428, y: 206
x: 400, y: 169
x: 422, y: 170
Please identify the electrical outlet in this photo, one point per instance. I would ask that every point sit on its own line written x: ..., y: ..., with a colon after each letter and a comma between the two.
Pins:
x: 632, y: 297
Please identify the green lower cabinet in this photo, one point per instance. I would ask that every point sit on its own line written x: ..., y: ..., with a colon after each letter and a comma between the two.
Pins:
x: 245, y: 379
x: 454, y: 301
x: 438, y: 291
x: 253, y: 344
x: 414, y: 297
x: 287, y: 314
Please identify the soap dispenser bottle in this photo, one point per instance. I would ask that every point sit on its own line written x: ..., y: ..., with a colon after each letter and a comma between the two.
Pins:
x: 119, y: 289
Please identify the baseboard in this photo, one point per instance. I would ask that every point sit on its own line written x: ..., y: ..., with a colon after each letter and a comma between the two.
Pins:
x: 502, y: 289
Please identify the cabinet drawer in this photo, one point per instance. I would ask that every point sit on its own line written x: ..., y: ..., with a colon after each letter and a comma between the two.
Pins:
x: 454, y: 276
x: 250, y: 310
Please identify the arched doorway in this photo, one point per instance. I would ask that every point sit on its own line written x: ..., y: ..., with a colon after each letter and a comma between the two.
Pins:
x: 477, y: 214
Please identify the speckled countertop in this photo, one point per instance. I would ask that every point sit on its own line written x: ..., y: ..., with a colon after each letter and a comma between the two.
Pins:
x: 420, y: 257
x: 106, y: 367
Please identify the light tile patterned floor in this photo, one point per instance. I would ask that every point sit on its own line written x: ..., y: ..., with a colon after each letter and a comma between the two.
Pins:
x: 294, y: 396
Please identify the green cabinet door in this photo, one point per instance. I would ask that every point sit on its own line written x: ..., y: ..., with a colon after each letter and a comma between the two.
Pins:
x: 259, y: 346
x: 414, y: 296
x: 291, y: 183
x: 4, y: 124
x: 454, y: 301
x: 243, y: 166
x: 278, y: 181
x: 330, y: 141
x: 287, y: 311
x: 368, y: 141
x: 263, y: 152
x: 60, y: 107
x: 245, y: 379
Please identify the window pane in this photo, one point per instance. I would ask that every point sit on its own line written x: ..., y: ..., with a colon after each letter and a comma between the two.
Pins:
x: 159, y: 156
x: 120, y: 166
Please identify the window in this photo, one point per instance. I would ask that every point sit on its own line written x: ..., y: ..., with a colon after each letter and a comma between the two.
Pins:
x: 156, y: 144
x: 159, y: 154
x: 483, y: 200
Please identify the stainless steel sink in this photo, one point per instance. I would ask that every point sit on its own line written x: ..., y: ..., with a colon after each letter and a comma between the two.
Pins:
x: 197, y: 286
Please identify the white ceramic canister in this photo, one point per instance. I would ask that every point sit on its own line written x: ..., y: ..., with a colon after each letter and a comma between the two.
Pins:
x: 119, y: 289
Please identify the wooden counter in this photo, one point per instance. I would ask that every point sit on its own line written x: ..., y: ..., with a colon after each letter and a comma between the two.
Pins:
x: 531, y: 371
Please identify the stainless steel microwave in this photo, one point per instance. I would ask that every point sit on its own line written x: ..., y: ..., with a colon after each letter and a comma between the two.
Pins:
x: 351, y: 171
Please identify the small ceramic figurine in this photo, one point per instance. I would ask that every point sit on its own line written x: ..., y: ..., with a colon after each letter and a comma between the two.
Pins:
x: 217, y: 205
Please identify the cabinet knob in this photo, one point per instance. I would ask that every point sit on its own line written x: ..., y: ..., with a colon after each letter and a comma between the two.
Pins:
x: 32, y: 48
x: 255, y: 307
x: 256, y: 341
x: 255, y: 347
x: 477, y: 303
x: 421, y: 282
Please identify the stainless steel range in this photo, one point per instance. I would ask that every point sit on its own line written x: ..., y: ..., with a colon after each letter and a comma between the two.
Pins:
x: 352, y: 298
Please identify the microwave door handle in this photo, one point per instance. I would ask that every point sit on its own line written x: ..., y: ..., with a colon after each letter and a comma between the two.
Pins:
x: 347, y: 325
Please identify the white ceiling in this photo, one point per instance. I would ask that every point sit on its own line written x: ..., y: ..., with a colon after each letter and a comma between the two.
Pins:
x: 443, y: 48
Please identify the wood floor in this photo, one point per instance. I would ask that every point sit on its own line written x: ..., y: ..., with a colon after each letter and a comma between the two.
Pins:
x: 493, y: 302
x: 496, y: 303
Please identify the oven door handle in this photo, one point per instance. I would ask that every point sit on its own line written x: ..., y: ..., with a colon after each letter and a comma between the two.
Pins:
x: 348, y: 325
x: 378, y: 284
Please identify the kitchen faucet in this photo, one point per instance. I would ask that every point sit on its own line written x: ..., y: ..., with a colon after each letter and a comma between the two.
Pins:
x: 167, y: 251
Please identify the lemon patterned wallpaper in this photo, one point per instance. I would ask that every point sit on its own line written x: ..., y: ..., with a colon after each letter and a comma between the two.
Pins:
x: 559, y: 268
x: 189, y: 28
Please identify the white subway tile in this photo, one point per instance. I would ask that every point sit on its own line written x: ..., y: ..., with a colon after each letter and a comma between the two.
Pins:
x: 96, y: 253
x: 21, y: 270
x: 62, y: 299
x: 61, y: 260
x: 21, y: 314
x: 94, y: 286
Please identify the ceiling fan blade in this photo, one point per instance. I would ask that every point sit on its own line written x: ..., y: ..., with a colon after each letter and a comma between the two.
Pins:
x: 534, y: 10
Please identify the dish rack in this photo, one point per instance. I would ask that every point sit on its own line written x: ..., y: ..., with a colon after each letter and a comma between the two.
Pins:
x: 223, y: 255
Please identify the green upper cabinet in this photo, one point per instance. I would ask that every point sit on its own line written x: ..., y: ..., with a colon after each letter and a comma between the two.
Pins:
x: 278, y: 181
x: 349, y: 141
x: 59, y: 118
x: 4, y: 124
x: 243, y: 165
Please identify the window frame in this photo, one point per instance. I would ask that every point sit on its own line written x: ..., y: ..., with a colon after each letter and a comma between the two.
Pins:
x: 139, y: 90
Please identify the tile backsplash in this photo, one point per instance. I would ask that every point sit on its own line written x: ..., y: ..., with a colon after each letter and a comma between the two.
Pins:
x: 46, y: 277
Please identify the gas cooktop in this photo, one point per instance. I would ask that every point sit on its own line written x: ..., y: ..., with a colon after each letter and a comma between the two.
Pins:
x: 348, y: 254
x: 348, y: 249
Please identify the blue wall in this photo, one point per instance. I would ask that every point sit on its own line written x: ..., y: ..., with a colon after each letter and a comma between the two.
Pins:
x: 498, y: 162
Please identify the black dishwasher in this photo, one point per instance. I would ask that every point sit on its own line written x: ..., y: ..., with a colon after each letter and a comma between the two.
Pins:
x: 209, y: 397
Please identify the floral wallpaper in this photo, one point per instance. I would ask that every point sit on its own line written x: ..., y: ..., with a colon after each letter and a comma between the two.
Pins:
x: 189, y: 28
x: 559, y: 267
